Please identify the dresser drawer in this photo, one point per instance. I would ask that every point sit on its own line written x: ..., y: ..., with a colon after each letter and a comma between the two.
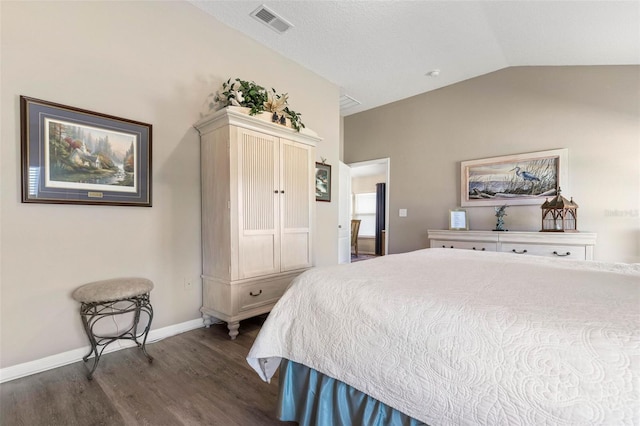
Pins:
x: 560, y: 251
x: 465, y: 245
x: 573, y: 245
x: 258, y: 294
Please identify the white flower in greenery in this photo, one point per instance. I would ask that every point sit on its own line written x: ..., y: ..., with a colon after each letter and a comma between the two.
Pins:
x: 275, y: 103
x: 237, y: 98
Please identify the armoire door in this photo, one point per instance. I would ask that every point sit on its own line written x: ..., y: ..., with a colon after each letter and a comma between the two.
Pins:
x: 258, y: 204
x: 297, y: 168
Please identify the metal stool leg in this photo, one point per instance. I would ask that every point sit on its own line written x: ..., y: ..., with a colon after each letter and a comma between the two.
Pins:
x: 143, y: 305
x: 92, y: 313
x: 92, y: 341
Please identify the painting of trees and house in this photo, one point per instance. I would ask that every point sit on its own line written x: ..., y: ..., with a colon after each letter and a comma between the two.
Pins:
x: 79, y: 156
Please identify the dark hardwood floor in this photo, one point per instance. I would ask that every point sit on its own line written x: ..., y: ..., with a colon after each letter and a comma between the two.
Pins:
x: 197, y: 378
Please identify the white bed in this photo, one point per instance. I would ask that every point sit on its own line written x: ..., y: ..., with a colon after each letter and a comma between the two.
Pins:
x: 460, y: 337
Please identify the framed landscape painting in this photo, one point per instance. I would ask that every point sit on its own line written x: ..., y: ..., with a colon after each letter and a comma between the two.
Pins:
x: 519, y: 179
x: 75, y: 156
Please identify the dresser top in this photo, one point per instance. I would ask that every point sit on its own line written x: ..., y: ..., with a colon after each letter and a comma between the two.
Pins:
x: 582, y: 238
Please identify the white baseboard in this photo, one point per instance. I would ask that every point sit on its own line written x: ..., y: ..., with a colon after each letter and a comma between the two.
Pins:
x: 75, y: 355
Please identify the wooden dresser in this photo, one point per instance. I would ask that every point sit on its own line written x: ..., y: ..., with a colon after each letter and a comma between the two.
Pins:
x: 578, y: 245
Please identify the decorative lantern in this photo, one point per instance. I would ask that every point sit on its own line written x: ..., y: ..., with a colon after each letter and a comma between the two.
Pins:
x: 559, y: 215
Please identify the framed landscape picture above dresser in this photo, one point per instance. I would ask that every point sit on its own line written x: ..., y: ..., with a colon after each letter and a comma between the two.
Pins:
x: 518, y: 179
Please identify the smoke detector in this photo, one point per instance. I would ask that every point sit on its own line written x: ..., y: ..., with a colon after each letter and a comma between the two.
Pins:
x: 271, y: 19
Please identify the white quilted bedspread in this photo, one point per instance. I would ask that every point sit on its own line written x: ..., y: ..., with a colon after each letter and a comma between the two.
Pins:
x: 454, y: 337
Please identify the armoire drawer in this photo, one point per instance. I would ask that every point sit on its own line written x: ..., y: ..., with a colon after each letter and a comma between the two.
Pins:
x: 253, y: 295
x: 465, y: 245
x: 560, y: 251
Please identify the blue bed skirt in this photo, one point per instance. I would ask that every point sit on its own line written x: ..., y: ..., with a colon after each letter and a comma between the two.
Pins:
x: 311, y: 398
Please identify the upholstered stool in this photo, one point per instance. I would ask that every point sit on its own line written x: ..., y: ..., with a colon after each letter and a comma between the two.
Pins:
x: 103, y: 299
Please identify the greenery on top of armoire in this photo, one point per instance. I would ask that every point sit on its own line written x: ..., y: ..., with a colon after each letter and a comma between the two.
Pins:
x: 249, y: 94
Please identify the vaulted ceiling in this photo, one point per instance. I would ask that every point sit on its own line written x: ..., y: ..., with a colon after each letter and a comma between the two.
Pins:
x: 382, y: 51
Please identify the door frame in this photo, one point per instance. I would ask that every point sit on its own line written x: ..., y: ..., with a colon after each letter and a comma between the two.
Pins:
x: 344, y: 213
x: 386, y: 163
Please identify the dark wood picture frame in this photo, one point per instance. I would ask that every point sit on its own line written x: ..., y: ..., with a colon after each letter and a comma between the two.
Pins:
x: 75, y: 156
x: 323, y: 182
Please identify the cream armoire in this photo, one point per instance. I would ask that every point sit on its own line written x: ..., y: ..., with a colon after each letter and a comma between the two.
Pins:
x: 258, y: 208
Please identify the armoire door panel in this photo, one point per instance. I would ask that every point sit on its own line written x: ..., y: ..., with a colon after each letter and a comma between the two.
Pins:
x: 258, y: 255
x: 295, y: 250
x: 258, y: 163
x: 296, y: 182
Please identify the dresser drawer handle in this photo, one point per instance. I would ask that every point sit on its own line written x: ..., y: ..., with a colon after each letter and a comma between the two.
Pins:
x: 446, y: 247
x: 257, y: 294
x: 562, y: 255
x: 482, y: 249
x: 519, y: 252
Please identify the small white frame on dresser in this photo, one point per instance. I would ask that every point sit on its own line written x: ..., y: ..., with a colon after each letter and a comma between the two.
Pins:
x: 458, y: 220
x: 578, y: 245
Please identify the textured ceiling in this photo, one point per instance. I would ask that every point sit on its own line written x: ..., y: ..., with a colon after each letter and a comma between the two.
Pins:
x: 379, y: 51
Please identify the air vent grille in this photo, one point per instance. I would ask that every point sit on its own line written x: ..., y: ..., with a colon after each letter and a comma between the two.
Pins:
x: 264, y: 15
x: 271, y: 19
x: 347, y: 102
x: 280, y: 25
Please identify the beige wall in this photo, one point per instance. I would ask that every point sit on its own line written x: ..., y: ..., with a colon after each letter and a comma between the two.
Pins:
x: 154, y: 62
x: 364, y: 184
x: 592, y: 111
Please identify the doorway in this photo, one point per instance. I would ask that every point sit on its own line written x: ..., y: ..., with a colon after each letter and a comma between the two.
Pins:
x: 366, y: 205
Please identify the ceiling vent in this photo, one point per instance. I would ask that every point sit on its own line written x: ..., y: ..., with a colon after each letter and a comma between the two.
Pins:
x: 271, y: 19
x: 347, y: 102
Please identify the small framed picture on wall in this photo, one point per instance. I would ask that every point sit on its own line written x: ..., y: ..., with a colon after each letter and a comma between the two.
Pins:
x: 323, y: 182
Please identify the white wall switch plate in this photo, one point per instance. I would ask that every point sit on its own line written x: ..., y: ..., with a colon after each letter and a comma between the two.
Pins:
x: 403, y: 212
